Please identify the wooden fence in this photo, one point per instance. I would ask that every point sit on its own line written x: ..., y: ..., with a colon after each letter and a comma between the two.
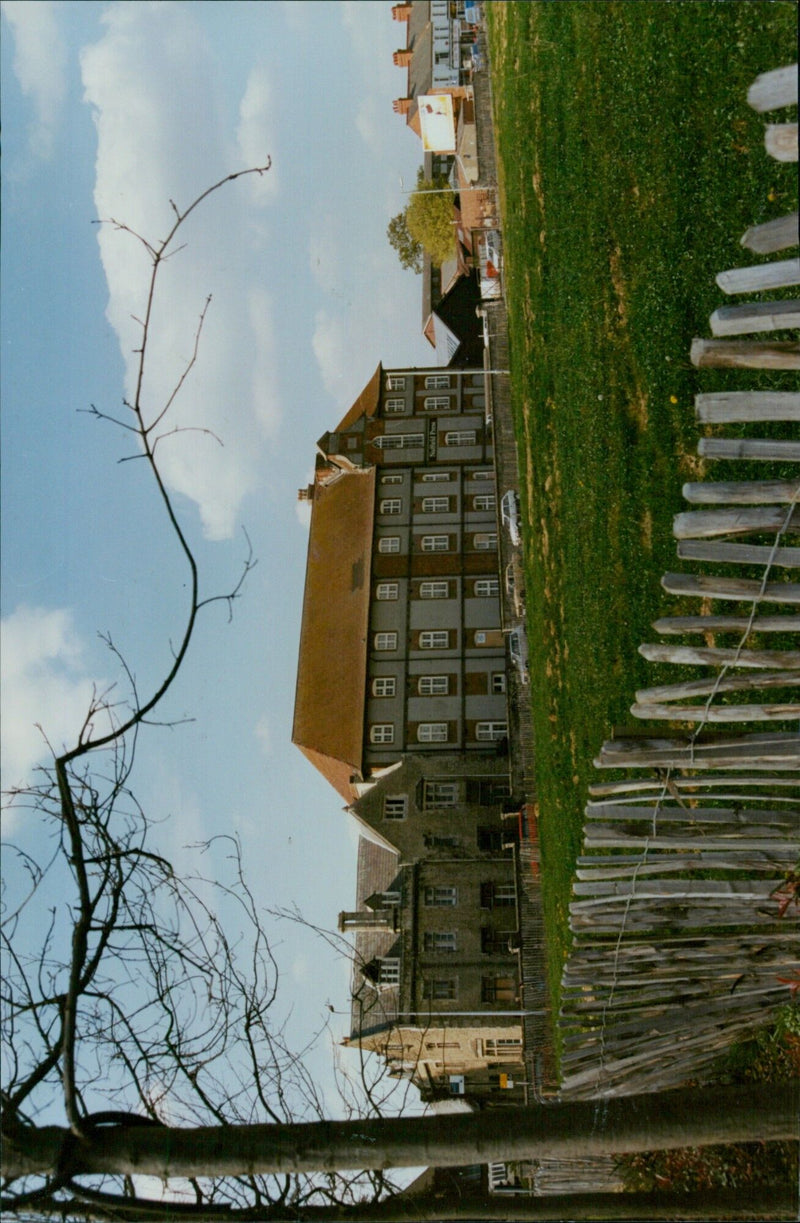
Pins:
x: 685, y: 912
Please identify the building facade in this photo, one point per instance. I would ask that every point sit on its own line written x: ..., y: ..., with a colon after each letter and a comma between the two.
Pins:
x: 402, y: 704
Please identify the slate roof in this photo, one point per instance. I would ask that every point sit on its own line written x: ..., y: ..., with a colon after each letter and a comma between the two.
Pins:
x: 371, y: 1008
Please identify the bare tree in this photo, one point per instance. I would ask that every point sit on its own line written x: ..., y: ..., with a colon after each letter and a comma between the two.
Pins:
x: 147, y: 1012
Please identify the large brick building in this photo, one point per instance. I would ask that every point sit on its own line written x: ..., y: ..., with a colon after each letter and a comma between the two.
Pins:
x: 401, y: 705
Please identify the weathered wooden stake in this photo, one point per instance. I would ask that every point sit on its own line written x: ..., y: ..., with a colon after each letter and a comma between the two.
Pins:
x: 726, y: 683
x: 773, y: 89
x: 717, y: 713
x: 751, y: 317
x: 772, y: 236
x: 675, y: 626
x: 775, y: 275
x: 733, y: 407
x: 745, y: 354
x: 717, y: 656
x: 710, y: 586
x: 745, y: 492
x: 737, y: 554
x: 704, y: 524
x: 780, y: 141
x: 760, y: 448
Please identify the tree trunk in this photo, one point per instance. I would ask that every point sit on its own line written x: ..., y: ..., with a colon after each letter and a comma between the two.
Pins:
x: 764, y: 1202
x: 694, y: 1117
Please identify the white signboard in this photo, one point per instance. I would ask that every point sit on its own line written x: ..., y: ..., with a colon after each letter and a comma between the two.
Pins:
x: 437, y: 124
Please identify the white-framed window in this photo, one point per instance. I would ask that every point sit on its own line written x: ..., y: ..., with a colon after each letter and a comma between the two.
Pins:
x: 435, y: 543
x: 434, y: 639
x: 389, y: 543
x: 488, y: 732
x: 389, y: 971
x: 399, y: 441
x: 485, y: 588
x: 387, y: 590
x: 393, y: 406
x: 505, y: 1048
x: 437, y: 403
x: 498, y: 681
x: 384, y: 685
x: 434, y: 590
x: 440, y: 989
x: 438, y: 897
x: 433, y: 685
x: 385, y: 641
x: 482, y: 475
x: 498, y: 895
x: 432, y: 732
x: 390, y: 505
x: 435, y: 477
x: 395, y: 807
x: 395, y: 382
x: 392, y: 478
x: 435, y: 505
x: 484, y: 501
x: 439, y: 940
x: 437, y: 382
x: 381, y: 732
x: 485, y: 541
x: 460, y: 437
x: 438, y: 794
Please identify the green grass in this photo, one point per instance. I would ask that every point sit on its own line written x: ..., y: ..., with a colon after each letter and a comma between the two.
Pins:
x: 631, y: 165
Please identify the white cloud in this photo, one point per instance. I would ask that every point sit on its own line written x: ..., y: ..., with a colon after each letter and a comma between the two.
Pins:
x: 40, y: 66
x: 263, y: 733
x: 254, y: 133
x: 324, y: 257
x: 265, y: 392
x: 46, y: 693
x: 330, y: 349
x: 370, y: 130
x: 299, y: 15
x: 374, y: 36
x: 150, y: 82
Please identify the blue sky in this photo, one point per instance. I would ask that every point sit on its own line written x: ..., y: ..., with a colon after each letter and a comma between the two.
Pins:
x: 110, y: 111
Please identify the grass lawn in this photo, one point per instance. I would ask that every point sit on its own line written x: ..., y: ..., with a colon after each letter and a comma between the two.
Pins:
x: 631, y: 166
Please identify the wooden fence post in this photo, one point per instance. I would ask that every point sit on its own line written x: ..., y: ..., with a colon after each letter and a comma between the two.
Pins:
x: 772, y: 236
x: 780, y: 141
x: 729, y: 407
x: 778, y: 274
x: 745, y: 354
x: 773, y: 89
x: 755, y: 316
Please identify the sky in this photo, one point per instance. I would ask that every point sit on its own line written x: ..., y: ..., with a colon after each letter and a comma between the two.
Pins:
x: 110, y: 111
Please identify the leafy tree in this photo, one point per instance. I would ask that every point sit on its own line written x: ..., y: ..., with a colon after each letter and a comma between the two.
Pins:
x: 425, y: 224
x: 409, y: 250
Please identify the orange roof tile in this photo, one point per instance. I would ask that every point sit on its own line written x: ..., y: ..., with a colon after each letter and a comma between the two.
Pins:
x: 331, y: 674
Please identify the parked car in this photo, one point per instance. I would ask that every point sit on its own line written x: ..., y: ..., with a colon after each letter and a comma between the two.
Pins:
x: 509, y: 514
x: 518, y: 651
x: 515, y: 587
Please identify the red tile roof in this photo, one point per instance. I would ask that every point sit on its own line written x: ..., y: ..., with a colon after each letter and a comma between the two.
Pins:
x: 331, y: 675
